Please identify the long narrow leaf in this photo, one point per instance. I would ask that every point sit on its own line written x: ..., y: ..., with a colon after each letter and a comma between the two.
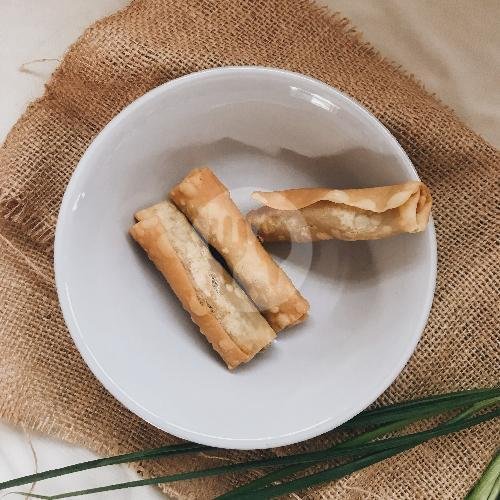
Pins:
x: 292, y: 469
x: 487, y: 483
x: 475, y: 408
x: 426, y: 435
x: 340, y: 471
x: 495, y: 492
x: 406, y: 409
x: 321, y: 477
x: 359, y: 440
x: 424, y: 407
x: 163, y: 451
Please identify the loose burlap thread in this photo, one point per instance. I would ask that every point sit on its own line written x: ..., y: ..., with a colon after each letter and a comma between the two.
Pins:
x: 44, y: 384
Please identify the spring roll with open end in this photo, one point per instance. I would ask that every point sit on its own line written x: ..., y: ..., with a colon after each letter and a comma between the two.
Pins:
x: 303, y: 215
x: 207, y: 204
x: 225, y: 315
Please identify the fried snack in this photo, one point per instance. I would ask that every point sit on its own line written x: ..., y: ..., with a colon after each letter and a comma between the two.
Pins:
x: 206, y: 203
x: 303, y: 215
x: 225, y: 315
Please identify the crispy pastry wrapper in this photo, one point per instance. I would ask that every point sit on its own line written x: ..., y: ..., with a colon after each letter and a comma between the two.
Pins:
x: 315, y: 214
x: 206, y: 203
x: 224, y: 314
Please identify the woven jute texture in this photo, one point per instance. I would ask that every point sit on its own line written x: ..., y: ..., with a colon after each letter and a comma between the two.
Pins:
x: 45, y: 385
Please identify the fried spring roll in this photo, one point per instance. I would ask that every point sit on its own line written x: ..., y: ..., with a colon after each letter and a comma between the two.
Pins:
x: 206, y: 203
x: 225, y: 315
x: 303, y: 215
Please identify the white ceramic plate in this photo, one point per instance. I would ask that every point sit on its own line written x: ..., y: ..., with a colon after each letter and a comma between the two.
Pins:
x: 263, y: 129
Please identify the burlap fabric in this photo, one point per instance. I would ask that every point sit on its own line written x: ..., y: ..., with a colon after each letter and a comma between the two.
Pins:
x: 45, y: 385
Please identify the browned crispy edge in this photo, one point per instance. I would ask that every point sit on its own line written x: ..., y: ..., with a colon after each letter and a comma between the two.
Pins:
x: 170, y: 265
x: 291, y: 312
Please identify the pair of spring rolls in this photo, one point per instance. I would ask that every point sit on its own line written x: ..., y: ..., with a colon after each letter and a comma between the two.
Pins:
x: 206, y: 203
x: 224, y: 314
x: 231, y: 322
x: 303, y: 215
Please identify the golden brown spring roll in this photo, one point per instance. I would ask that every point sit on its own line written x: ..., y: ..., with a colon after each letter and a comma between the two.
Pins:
x: 225, y: 315
x: 352, y: 214
x: 206, y: 203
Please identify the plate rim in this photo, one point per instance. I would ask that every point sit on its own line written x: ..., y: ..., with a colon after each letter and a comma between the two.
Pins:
x: 117, y: 392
